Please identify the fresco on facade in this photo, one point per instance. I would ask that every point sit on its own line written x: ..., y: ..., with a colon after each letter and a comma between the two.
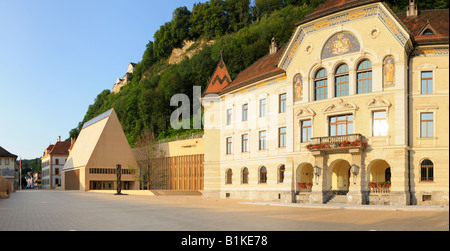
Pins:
x: 340, y: 44
x: 339, y: 19
x: 389, y: 70
x: 7, y: 172
x: 298, y: 86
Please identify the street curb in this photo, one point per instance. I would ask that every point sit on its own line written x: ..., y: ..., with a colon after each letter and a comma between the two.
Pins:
x: 353, y: 207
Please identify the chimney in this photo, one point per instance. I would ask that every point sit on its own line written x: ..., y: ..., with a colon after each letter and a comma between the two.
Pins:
x: 411, y: 10
x: 58, y: 139
x: 273, y: 46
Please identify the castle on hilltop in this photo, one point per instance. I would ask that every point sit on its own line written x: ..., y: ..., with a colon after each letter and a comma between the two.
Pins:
x: 126, y: 78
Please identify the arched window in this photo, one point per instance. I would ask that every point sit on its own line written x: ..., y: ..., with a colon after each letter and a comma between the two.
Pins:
x: 263, y: 175
x: 281, y: 174
x: 364, y: 77
x: 341, y: 81
x: 229, y: 174
x: 245, y: 175
x: 321, y: 85
x: 426, y: 170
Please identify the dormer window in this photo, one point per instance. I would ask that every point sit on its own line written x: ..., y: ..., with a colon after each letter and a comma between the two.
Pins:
x: 428, y: 32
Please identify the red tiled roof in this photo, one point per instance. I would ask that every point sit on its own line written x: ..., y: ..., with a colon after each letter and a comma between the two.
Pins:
x: 438, y: 20
x: 265, y: 67
x: 333, y: 6
x: 61, y: 147
x: 219, y: 80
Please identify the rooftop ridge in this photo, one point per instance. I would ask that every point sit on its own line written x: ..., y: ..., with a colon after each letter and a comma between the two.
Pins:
x: 98, y: 118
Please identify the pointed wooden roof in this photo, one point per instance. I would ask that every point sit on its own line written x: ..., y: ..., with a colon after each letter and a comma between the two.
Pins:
x: 219, y: 80
x: 101, y: 143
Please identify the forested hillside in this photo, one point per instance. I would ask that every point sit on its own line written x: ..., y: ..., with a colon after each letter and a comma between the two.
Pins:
x: 240, y: 28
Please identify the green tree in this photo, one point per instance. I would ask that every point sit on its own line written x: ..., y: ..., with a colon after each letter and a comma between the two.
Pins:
x: 209, y: 19
x: 265, y: 7
x: 199, y: 15
x: 149, y: 154
x: 181, y: 25
x: 164, y: 41
x: 30, y: 165
x: 238, y: 14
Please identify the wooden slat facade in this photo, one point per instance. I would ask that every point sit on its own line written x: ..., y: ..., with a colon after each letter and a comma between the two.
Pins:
x: 179, y: 173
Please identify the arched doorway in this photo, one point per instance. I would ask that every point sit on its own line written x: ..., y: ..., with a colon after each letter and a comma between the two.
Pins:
x: 340, y: 177
x: 304, y: 176
x: 380, y: 176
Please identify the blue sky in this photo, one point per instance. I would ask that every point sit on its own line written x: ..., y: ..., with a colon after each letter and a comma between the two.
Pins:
x: 56, y: 56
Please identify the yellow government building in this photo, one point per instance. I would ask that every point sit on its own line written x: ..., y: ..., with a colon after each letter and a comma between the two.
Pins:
x: 354, y: 109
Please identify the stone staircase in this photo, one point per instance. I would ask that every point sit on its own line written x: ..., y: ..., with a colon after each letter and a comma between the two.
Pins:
x: 337, y: 199
x: 175, y: 192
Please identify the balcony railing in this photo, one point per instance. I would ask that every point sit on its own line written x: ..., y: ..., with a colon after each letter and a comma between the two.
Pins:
x: 305, y: 187
x: 380, y: 187
x: 337, y: 142
x: 336, y: 139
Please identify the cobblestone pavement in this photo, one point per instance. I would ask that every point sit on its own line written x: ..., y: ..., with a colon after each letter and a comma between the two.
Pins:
x: 44, y: 210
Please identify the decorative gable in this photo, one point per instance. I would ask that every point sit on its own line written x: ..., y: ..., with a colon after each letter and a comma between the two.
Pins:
x: 336, y: 13
x: 219, y: 80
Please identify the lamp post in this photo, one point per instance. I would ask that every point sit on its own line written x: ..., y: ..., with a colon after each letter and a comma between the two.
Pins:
x: 316, y: 171
x: 355, y: 170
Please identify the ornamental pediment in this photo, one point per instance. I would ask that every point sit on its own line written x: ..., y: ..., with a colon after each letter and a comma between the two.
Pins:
x: 379, y: 102
x: 305, y: 112
x: 341, y: 105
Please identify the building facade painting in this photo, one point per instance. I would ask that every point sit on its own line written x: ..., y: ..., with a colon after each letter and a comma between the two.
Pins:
x: 389, y: 71
x: 298, y: 87
x: 340, y: 44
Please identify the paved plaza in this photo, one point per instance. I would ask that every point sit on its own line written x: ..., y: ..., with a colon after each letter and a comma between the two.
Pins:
x: 42, y: 210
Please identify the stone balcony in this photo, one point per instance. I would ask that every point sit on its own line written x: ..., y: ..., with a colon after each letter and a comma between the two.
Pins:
x: 337, y: 143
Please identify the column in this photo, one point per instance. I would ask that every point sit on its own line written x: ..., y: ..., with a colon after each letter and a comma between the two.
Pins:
x: 358, y: 189
x: 319, y: 190
x: 400, y: 194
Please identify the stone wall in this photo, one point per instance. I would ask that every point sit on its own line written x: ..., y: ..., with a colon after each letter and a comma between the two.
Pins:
x: 6, y: 187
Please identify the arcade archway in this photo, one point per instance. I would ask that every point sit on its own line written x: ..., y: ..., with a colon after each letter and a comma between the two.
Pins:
x: 304, y: 176
x: 340, y: 176
x: 380, y: 176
